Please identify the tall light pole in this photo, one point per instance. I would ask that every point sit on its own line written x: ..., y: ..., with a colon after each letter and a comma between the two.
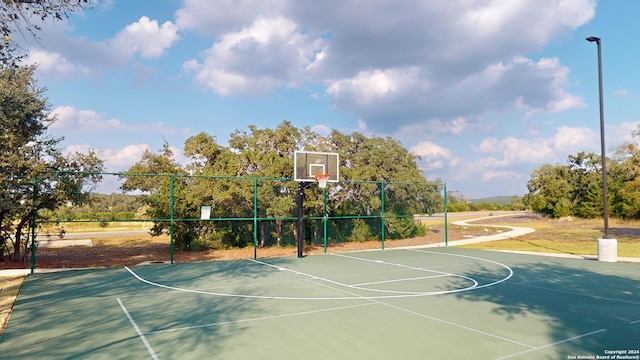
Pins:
x: 604, y: 161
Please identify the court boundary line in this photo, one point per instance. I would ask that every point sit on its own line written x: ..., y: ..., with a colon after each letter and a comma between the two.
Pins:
x: 138, y: 331
x: 186, y: 328
x: 551, y: 344
x: 634, y: 322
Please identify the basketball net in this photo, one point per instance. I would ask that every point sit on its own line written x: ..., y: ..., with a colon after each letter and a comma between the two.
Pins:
x: 322, y: 180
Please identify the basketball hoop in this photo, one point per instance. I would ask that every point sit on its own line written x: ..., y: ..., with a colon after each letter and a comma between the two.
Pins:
x: 322, y: 180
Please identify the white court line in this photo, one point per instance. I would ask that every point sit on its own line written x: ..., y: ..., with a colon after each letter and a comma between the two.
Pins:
x: 312, y: 277
x: 403, y: 293
x: 634, y: 322
x: 263, y: 297
x: 551, y: 344
x: 137, y: 329
x: 399, y: 280
x: 456, y: 255
x: 256, y: 319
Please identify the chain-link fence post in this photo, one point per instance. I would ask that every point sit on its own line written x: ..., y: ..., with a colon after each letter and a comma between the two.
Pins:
x: 34, y: 216
x: 171, y: 216
x: 324, y: 218
x: 255, y: 218
x: 446, y: 222
x: 382, y: 212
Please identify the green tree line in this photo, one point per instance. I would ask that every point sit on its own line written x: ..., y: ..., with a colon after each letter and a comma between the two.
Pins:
x: 268, y: 154
x: 575, y: 189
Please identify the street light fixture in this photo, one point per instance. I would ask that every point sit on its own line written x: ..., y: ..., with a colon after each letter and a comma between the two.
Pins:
x: 606, y: 241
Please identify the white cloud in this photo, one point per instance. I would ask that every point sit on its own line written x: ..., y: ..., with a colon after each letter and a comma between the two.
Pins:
x: 429, y: 149
x: 622, y: 93
x: 271, y: 53
x: 72, y: 119
x: 488, y: 176
x: 370, y: 87
x: 414, y: 96
x: 215, y: 17
x: 432, y: 155
x: 120, y: 159
x: 505, y: 163
x: 621, y: 133
x: 574, y: 139
x: 123, y: 158
x: 513, y: 151
x: 322, y: 129
x: 114, y: 159
x: 54, y: 63
x: 146, y: 37
x: 391, y: 64
x: 66, y: 56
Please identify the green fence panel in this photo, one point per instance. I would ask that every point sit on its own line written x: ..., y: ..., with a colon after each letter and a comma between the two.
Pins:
x: 114, y: 219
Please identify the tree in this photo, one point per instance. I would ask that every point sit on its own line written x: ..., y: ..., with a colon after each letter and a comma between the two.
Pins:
x: 576, y: 189
x: 625, y: 174
x: 256, y: 165
x: 573, y: 189
x: 27, y: 153
x: 19, y: 16
x: 586, y: 176
x: 158, y: 190
x: 380, y: 159
x: 269, y: 153
x: 550, y: 190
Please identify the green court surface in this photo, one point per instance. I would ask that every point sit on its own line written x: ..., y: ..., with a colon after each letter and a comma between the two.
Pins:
x: 395, y: 304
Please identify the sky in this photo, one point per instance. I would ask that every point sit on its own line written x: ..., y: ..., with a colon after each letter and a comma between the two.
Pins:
x: 483, y: 91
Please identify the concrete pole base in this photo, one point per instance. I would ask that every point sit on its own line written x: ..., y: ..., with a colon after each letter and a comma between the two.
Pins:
x: 608, y: 250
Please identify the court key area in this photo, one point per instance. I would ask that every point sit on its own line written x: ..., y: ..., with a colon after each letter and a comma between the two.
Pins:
x: 403, y: 304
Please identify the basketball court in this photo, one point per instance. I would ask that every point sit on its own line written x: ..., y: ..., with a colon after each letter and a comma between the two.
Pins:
x: 403, y: 303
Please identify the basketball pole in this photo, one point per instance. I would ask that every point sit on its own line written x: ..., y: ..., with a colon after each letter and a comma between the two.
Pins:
x: 301, y: 186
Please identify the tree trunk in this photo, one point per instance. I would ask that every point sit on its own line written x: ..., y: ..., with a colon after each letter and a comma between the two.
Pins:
x: 263, y: 235
x: 278, y: 232
x: 18, y: 254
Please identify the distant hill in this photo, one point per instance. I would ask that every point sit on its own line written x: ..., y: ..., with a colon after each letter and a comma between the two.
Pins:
x: 500, y: 200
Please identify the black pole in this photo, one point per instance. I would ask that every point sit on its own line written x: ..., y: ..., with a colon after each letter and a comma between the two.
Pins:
x: 301, y: 187
x: 602, y: 145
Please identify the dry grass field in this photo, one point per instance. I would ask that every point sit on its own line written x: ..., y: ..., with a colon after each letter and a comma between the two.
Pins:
x: 565, y: 235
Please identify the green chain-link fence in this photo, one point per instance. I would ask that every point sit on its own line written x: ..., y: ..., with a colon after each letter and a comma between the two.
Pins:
x: 124, y: 219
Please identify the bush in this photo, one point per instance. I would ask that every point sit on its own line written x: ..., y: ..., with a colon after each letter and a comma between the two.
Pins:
x: 361, y: 231
x: 458, y: 207
x: 201, y: 244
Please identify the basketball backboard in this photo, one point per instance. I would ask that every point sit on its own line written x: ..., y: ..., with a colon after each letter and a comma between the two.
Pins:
x: 308, y: 164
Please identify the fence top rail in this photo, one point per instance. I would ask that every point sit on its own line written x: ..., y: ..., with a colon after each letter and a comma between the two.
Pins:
x: 124, y: 174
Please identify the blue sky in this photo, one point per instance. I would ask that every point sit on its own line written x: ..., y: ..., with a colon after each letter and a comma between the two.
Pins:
x: 484, y: 91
